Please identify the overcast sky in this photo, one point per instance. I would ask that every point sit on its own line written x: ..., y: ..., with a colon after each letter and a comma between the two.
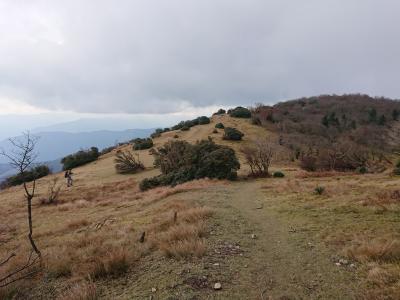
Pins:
x: 177, y: 56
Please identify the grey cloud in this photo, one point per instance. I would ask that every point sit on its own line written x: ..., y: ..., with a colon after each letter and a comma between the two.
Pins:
x: 159, y: 56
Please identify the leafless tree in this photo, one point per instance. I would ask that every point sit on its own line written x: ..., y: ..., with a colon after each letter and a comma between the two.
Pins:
x: 259, y: 156
x: 22, y: 158
x: 337, y: 152
x: 21, y: 272
x: 53, y: 191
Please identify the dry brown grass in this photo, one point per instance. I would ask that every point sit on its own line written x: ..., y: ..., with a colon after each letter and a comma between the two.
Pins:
x: 183, y: 236
x: 322, y: 174
x: 184, y: 248
x: 378, y: 276
x: 73, y: 225
x: 383, y: 199
x: 84, y: 290
x: 380, y: 249
x: 101, y: 240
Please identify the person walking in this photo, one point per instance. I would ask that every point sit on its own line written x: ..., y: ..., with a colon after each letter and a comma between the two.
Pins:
x: 68, y: 176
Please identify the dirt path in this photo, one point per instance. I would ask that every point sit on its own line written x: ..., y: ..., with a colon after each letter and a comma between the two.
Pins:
x: 281, y: 261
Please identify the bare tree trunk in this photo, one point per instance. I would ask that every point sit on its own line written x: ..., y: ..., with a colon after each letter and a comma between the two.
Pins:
x: 29, y: 199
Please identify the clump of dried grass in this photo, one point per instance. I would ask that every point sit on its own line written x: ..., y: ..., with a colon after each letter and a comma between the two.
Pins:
x: 154, y: 195
x: 382, y: 249
x: 179, y: 233
x: 113, y: 264
x: 378, y: 276
x: 383, y: 198
x: 184, y: 248
x: 75, y: 224
x: 322, y: 174
x: 85, y: 290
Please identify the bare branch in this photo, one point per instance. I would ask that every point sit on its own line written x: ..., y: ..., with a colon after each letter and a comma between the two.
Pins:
x: 7, y: 259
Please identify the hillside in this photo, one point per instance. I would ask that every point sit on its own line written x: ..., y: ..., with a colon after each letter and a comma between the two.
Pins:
x: 363, y: 120
x: 267, y: 238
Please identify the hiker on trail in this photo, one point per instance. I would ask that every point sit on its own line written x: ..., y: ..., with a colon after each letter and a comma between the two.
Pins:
x: 68, y: 176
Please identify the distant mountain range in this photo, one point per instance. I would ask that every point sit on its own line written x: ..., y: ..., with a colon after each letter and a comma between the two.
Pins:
x: 52, y: 146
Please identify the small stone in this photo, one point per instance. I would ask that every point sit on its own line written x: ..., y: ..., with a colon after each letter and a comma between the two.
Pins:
x: 216, y: 264
x: 217, y: 286
x: 153, y: 290
x: 352, y: 265
x: 338, y: 264
x: 343, y: 261
x: 253, y: 236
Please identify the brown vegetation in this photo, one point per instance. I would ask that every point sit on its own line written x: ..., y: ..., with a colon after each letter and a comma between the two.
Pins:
x: 259, y: 157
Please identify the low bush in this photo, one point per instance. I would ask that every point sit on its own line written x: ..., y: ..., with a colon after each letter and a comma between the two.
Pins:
x: 319, y: 190
x: 219, y: 126
x: 141, y: 144
x: 107, y: 150
x: 308, y: 163
x: 203, y: 120
x: 215, y: 131
x: 53, y: 191
x: 362, y: 170
x: 80, y: 158
x: 185, y: 125
x: 157, y: 133
x: 185, y: 128
x: 232, y: 134
x: 259, y: 157
x: 127, y: 163
x: 278, y: 174
x: 240, y: 112
x: 396, y: 170
x: 220, y: 112
x: 180, y: 161
x: 27, y: 176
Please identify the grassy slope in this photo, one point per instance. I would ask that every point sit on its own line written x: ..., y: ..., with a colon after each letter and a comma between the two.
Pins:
x: 299, y: 236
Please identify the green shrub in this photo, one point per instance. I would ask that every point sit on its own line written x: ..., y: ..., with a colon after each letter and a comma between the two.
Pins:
x: 219, y: 125
x: 141, y: 144
x: 362, y: 170
x: 396, y: 170
x: 232, y: 134
x: 180, y: 161
x: 80, y: 158
x: 398, y: 164
x: 157, y: 133
x: 220, y: 112
x: 107, y: 150
x: 278, y: 174
x: 185, y: 128
x: 203, y: 120
x: 239, y: 112
x: 190, y: 123
x: 319, y: 190
x: 28, y: 176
